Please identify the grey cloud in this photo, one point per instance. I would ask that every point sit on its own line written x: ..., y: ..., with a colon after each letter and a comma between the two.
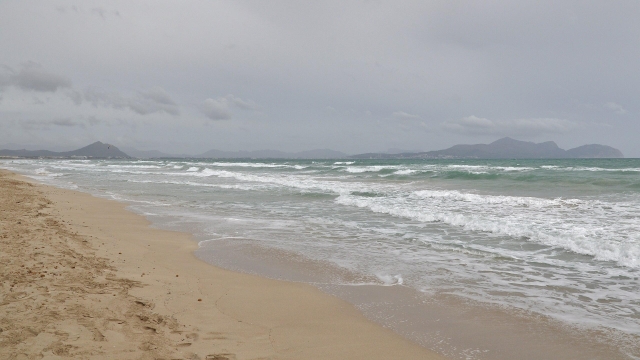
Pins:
x: 38, y: 101
x: 403, y: 115
x: 151, y: 101
x: 534, y: 126
x: 243, y: 104
x: 5, y: 75
x: 470, y: 124
x: 217, y: 109
x: 75, y: 96
x: 65, y: 122
x: 220, y: 108
x: 32, y: 124
x: 541, y: 125
x: 616, y: 108
x: 47, y: 124
x: 96, y: 11
x: 99, y: 11
x: 103, y: 13
x: 98, y: 97
x: 63, y: 9
x: 80, y: 122
x: 32, y: 77
x: 92, y: 120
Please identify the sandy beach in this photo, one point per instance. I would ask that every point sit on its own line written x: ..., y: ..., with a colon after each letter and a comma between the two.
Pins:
x: 84, y: 278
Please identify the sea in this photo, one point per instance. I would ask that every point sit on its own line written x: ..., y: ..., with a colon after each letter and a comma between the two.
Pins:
x: 557, y: 241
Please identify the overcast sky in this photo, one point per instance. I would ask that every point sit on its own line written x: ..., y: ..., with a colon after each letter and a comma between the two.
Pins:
x: 354, y: 76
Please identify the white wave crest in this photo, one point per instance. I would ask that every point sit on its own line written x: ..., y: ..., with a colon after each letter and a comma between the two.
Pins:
x: 583, y: 227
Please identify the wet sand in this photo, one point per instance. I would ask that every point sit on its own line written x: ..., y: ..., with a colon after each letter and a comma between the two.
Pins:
x: 455, y: 327
x: 82, y: 277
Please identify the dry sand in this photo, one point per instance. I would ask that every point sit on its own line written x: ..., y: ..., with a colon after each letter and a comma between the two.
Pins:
x: 83, y: 278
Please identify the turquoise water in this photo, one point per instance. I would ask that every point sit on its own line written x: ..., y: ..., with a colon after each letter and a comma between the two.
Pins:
x: 555, y: 237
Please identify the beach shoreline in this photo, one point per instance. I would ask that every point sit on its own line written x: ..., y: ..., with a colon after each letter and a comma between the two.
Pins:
x: 87, y: 278
x: 165, y: 274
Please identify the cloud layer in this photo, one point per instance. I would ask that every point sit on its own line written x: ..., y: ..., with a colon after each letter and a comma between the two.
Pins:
x: 32, y: 77
x: 145, y: 102
x: 404, y: 116
x: 352, y: 76
x: 221, y: 108
x: 616, y: 108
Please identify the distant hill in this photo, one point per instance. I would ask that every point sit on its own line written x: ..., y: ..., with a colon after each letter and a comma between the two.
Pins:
x: 97, y: 150
x: 594, y: 151
x: 273, y: 154
x: 505, y: 148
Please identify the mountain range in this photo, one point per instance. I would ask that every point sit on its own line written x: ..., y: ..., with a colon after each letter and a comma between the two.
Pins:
x: 97, y: 150
x: 505, y: 148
